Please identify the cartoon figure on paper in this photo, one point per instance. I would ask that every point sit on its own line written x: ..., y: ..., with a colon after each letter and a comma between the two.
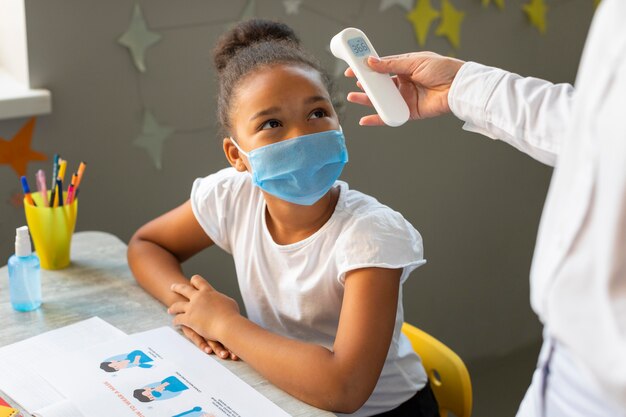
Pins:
x: 168, y: 388
x: 136, y: 358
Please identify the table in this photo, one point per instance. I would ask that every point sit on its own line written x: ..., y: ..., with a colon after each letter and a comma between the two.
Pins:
x: 99, y: 283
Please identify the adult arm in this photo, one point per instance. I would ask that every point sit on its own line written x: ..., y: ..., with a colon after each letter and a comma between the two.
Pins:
x: 528, y: 113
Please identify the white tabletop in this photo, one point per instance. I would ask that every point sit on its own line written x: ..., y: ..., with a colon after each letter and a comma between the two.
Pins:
x: 99, y: 283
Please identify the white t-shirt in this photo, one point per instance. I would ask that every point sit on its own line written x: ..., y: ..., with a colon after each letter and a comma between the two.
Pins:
x: 296, y: 290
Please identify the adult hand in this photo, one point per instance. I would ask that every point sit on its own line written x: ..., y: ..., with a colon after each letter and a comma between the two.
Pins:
x: 202, y: 313
x: 423, y: 78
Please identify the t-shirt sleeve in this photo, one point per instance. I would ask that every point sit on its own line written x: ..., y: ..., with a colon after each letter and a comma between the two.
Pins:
x: 212, y: 201
x: 381, y: 238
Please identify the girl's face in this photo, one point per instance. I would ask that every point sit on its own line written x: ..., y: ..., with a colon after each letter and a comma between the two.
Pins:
x: 280, y: 102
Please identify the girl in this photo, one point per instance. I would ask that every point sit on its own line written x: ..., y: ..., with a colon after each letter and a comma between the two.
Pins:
x: 320, y: 266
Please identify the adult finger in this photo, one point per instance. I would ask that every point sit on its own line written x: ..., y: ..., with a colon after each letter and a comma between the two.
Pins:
x: 349, y: 73
x: 359, y: 98
x: 397, y: 64
x: 371, y: 120
x: 185, y: 290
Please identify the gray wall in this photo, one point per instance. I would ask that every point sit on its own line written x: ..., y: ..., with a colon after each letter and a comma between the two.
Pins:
x: 476, y: 202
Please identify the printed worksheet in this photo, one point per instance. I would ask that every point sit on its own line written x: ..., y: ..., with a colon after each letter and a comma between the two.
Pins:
x: 157, y: 373
x: 19, y: 363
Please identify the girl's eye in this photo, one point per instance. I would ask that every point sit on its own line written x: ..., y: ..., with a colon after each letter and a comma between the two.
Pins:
x: 318, y: 114
x: 271, y: 124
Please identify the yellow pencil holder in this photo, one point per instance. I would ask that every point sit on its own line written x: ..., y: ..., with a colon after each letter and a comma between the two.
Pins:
x: 51, y: 229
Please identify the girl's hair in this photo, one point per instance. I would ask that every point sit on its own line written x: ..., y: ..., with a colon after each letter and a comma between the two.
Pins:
x: 254, y: 44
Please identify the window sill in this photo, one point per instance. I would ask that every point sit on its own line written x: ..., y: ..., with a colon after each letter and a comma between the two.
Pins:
x: 18, y: 100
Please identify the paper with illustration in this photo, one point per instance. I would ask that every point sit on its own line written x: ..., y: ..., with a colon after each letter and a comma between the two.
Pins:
x: 157, y: 373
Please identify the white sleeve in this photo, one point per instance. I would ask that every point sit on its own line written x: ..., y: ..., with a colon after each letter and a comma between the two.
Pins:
x: 212, y: 200
x: 528, y: 113
x: 379, y: 239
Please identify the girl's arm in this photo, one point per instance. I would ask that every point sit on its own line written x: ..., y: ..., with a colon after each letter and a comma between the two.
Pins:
x: 155, y: 254
x: 157, y: 249
x: 341, y: 379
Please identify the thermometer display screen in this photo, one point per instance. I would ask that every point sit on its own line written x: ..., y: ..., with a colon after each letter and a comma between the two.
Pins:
x: 359, y: 46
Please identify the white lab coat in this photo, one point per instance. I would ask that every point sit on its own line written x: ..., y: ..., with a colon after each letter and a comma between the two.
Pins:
x: 578, y: 276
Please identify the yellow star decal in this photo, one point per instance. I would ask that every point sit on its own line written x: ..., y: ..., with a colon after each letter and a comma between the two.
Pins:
x: 17, y: 152
x: 499, y: 3
x: 450, y: 25
x: 536, y: 11
x: 422, y: 17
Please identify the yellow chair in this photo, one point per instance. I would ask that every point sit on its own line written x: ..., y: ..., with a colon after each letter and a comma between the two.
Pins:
x: 447, y: 373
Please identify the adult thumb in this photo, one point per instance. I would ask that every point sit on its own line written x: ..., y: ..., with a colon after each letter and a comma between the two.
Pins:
x: 393, y: 64
x: 377, y: 64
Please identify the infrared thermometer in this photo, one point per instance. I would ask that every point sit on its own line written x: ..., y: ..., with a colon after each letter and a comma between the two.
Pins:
x: 352, y: 46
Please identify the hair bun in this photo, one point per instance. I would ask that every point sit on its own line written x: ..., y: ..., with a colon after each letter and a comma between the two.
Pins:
x: 247, y: 33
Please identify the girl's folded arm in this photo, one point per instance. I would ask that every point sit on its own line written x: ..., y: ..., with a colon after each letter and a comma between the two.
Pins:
x: 157, y: 249
x: 340, y: 380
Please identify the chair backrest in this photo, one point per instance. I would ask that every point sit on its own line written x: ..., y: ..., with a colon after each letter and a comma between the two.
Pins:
x: 449, y: 378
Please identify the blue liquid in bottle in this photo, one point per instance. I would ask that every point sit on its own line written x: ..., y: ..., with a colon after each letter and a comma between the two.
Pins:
x: 24, y: 274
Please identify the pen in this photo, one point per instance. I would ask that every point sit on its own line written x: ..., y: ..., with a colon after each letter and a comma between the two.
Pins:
x: 26, y: 189
x: 81, y: 171
x: 55, y: 172
x: 71, y: 190
x: 53, y: 194
x: 60, y: 192
x: 70, y: 194
x: 62, y: 167
x: 41, y: 186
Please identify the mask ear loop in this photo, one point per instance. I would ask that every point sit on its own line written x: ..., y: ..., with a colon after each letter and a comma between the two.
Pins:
x: 238, y: 148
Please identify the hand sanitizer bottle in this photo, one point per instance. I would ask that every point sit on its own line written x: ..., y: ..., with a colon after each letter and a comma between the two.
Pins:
x: 24, y: 279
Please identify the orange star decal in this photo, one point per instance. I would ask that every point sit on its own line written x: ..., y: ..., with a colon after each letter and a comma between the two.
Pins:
x: 17, y: 152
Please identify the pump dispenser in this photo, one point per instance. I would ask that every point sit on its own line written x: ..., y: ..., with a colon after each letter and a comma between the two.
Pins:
x: 24, y: 277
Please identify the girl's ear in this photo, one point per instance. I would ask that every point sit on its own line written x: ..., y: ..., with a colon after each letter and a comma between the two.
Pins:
x: 233, y: 155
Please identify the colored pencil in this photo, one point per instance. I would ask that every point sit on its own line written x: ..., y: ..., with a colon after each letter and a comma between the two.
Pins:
x: 26, y: 188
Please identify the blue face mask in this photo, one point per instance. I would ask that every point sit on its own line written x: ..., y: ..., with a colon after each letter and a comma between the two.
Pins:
x: 299, y: 170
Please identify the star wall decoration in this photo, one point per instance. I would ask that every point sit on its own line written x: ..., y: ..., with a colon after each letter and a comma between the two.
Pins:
x: 536, y: 11
x: 17, y: 152
x: 405, y: 4
x: 422, y: 16
x: 152, y: 137
x: 450, y: 25
x: 292, y: 6
x: 138, y: 38
x: 499, y: 3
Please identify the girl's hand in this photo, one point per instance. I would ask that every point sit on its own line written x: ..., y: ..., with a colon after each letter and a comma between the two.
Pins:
x: 208, y: 346
x: 205, y: 312
x: 423, y: 78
